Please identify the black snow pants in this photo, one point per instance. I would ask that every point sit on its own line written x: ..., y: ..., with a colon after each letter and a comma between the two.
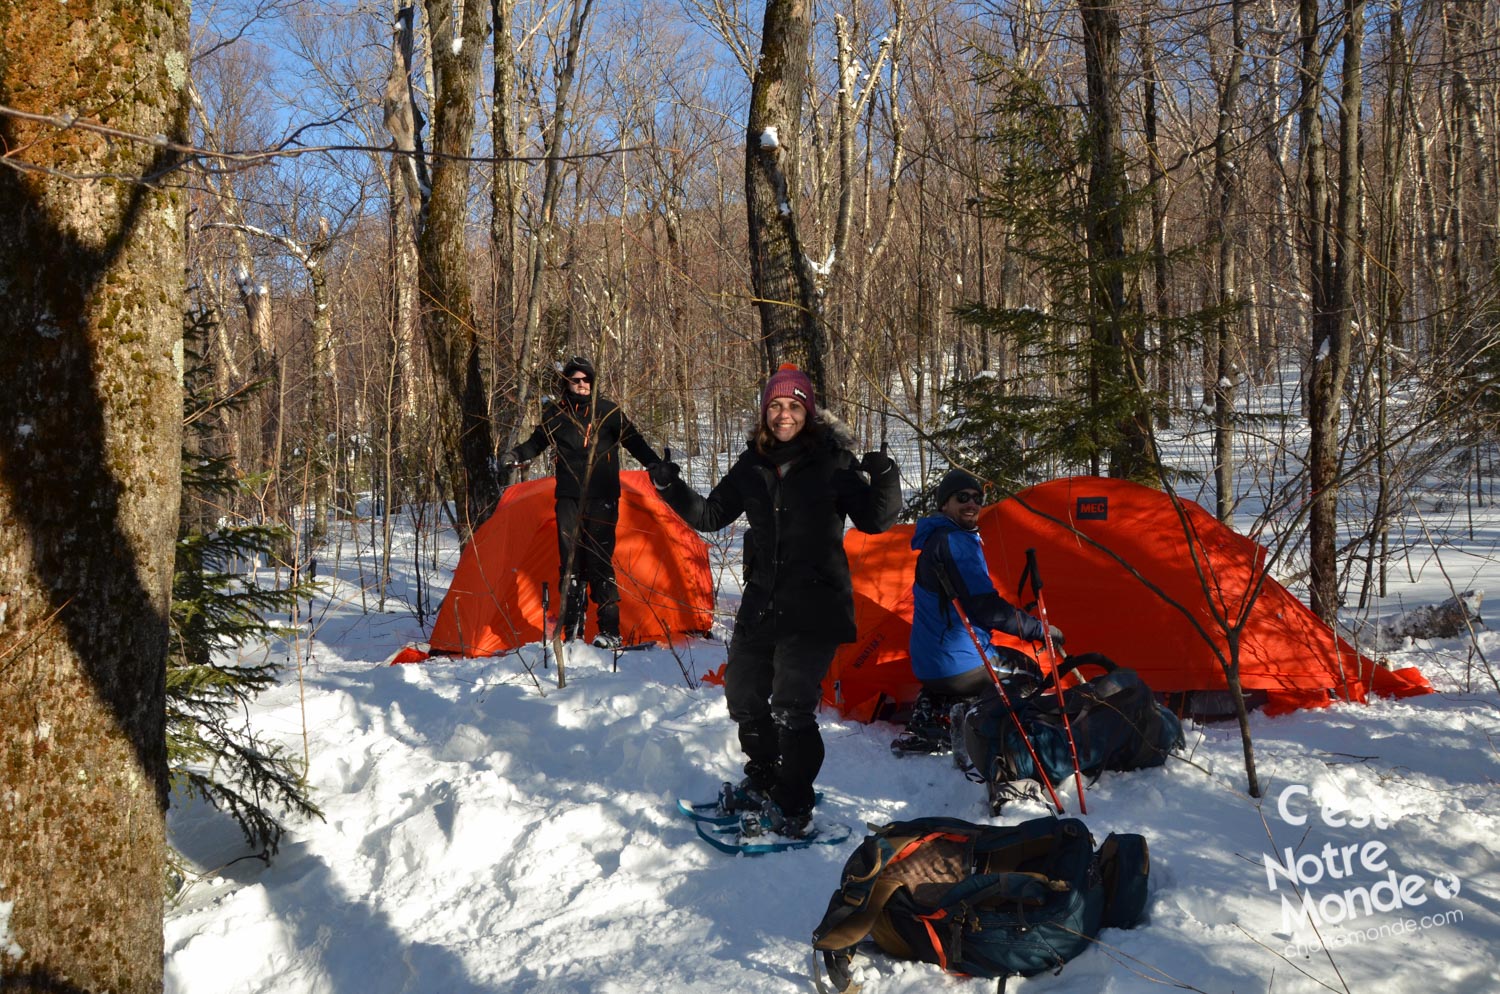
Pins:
x: 772, y: 685
x: 586, y: 542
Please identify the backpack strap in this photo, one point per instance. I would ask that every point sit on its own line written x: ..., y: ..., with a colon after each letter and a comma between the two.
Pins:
x: 1083, y: 659
x: 864, y: 896
x: 837, y: 964
x: 848, y: 929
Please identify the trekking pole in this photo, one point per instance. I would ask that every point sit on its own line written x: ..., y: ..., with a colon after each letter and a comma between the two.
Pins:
x: 557, y: 649
x: 984, y: 657
x: 544, y: 624
x: 1052, y: 655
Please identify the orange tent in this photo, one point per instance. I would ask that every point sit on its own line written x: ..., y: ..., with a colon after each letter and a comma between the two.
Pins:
x: 495, y: 601
x: 1120, y: 577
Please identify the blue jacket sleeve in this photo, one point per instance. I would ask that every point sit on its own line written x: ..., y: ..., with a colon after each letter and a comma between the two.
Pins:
x: 970, y: 582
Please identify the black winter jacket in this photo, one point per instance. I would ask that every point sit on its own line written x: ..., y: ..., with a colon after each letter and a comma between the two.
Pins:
x: 796, y: 574
x: 587, y: 433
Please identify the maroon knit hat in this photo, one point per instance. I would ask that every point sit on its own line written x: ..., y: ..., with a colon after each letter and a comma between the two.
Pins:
x: 788, y: 381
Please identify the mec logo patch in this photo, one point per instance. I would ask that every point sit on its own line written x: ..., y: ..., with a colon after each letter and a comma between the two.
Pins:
x: 1092, y: 509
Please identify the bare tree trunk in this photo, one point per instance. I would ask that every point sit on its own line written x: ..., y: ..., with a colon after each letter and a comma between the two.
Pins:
x: 1226, y: 327
x: 785, y: 290
x: 1162, y: 351
x: 505, y: 205
x: 1111, y: 368
x: 1284, y: 250
x: 1390, y: 293
x: 540, y: 242
x: 318, y: 481
x: 1336, y: 258
x: 1462, y: 25
x: 403, y: 294
x: 323, y: 411
x: 863, y: 352
x: 405, y: 181
x: 449, y: 322
x: 254, y: 296
x: 90, y: 353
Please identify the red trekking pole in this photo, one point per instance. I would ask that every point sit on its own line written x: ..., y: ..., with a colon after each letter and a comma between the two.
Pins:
x: 984, y: 657
x: 1052, y: 654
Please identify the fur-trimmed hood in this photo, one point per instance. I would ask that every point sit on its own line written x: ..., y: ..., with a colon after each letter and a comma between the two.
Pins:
x: 838, y: 429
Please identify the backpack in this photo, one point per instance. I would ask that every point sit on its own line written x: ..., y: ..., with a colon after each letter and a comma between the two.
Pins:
x: 981, y: 900
x: 1116, y: 721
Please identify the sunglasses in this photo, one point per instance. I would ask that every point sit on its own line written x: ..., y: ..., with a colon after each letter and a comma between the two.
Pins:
x: 580, y: 379
x: 967, y: 497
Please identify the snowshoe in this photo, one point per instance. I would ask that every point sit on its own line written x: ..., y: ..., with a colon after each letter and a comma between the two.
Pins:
x: 771, y: 820
x: 731, y: 838
x: 734, y: 800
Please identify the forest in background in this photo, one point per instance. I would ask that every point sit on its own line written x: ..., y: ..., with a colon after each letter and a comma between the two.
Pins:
x: 1023, y: 229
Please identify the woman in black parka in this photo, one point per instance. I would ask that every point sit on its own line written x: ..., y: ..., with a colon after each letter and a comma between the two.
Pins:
x: 796, y: 484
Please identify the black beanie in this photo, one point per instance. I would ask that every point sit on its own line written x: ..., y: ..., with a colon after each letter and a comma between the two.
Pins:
x: 954, y: 481
x: 578, y: 364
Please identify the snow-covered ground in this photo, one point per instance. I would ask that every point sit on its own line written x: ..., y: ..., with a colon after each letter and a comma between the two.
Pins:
x: 483, y: 836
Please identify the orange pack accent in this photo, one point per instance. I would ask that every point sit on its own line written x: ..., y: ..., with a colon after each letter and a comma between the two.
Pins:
x: 916, y: 844
x: 932, y: 936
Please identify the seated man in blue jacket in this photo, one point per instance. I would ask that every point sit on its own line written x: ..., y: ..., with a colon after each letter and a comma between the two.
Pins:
x: 943, y: 656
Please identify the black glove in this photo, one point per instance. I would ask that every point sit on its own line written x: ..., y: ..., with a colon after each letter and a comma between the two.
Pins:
x: 664, y: 473
x: 1057, y: 637
x: 876, y: 464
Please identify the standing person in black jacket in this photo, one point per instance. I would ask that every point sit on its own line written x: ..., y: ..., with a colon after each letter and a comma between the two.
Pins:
x: 795, y: 483
x: 586, y: 431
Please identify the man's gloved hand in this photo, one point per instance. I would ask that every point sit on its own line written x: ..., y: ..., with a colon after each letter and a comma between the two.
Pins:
x: 1057, y: 637
x: 877, y: 464
x: 663, y: 473
x: 514, y: 461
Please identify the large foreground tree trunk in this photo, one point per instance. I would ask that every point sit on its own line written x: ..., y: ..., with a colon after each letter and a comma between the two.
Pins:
x: 90, y: 410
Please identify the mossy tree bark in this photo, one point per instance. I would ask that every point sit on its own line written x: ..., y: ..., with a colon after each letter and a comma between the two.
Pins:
x: 91, y: 272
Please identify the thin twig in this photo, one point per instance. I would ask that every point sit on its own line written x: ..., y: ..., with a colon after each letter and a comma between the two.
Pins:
x: 195, y: 152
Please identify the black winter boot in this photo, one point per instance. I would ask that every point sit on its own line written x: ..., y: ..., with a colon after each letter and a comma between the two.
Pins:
x: 772, y: 820
x: 928, y: 730
x: 742, y: 796
x: 575, y: 609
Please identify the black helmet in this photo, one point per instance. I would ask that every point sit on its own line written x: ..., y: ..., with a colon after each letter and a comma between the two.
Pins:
x: 578, y: 364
